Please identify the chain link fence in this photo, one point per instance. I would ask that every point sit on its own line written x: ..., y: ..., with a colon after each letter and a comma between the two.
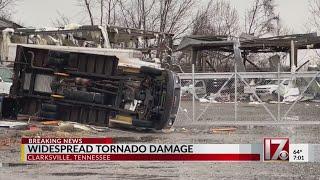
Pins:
x: 249, y: 97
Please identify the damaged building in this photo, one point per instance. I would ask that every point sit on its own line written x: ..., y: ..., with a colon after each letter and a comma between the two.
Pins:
x: 207, y: 53
x: 218, y: 54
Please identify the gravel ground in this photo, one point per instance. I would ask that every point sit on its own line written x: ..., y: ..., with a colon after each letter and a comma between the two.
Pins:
x: 208, y: 112
x: 183, y: 132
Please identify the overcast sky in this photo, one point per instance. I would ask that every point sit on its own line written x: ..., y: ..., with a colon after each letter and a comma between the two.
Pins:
x: 41, y: 13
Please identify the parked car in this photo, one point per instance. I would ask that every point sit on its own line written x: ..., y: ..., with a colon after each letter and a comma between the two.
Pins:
x: 199, y: 91
x: 272, y: 87
x: 269, y: 89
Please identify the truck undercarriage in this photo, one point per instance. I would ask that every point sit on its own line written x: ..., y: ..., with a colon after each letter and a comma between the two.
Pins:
x: 92, y: 88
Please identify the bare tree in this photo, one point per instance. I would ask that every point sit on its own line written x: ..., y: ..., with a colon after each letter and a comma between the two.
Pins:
x: 108, y: 9
x: 169, y: 16
x: 218, y: 18
x: 61, y: 20
x: 314, y: 6
x: 101, y: 11
x: 175, y: 16
x: 6, y: 7
x: 261, y: 18
x: 88, y: 5
x: 137, y: 14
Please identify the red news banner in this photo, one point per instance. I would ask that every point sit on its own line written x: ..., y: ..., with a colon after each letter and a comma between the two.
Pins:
x: 103, y: 149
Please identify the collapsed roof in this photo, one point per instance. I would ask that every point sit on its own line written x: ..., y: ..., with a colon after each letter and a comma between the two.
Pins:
x: 200, y: 42
x: 5, y: 23
x: 124, y: 32
x: 98, y: 36
x: 281, y: 43
x: 247, y: 44
x: 251, y: 43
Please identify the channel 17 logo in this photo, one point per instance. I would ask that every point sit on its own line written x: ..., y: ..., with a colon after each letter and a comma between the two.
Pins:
x: 276, y: 149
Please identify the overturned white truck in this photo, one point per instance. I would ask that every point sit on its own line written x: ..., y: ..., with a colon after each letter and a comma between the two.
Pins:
x: 99, y: 86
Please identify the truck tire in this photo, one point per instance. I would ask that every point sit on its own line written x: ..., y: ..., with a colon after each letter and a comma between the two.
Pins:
x: 168, y: 116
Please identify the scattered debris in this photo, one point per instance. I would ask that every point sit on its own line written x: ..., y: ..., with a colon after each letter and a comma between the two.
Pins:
x: 291, y: 99
x: 315, y: 100
x: 35, y: 132
x: 292, y: 95
x: 168, y: 130
x: 255, y: 102
x: 204, y: 100
x: 99, y: 128
x: 182, y: 130
x: 13, y: 124
x: 33, y: 127
x: 275, y: 102
x: 220, y: 130
x: 70, y: 126
x: 307, y: 98
x: 28, y: 118
x: 51, y: 123
x: 73, y: 125
x: 291, y: 118
x: 212, y: 99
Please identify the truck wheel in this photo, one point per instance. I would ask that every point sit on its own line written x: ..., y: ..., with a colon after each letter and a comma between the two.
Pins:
x: 171, y: 105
